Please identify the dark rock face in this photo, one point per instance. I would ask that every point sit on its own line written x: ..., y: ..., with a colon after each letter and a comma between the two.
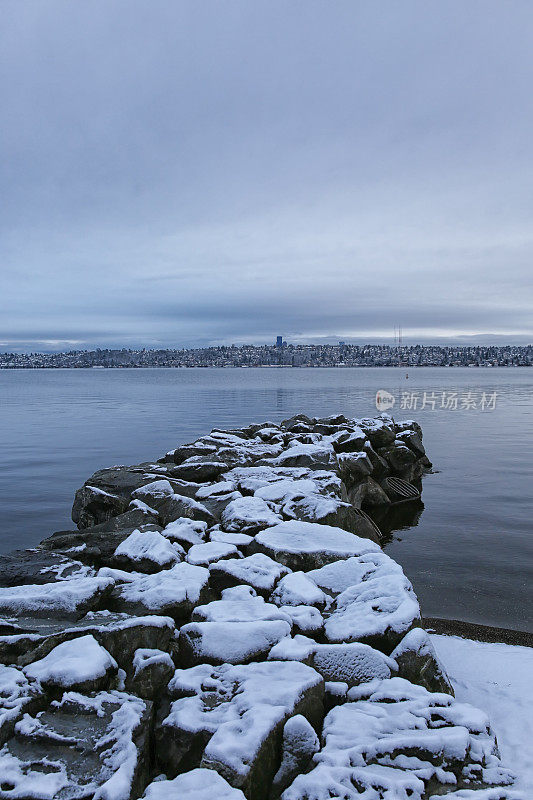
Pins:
x: 188, y: 638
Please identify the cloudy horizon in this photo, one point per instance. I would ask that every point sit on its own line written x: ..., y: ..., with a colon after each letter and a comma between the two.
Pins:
x: 182, y: 174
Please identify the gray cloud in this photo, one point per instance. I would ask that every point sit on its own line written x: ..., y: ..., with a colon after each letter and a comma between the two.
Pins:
x: 185, y: 173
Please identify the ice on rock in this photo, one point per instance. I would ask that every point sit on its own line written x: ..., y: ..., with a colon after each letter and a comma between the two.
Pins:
x: 308, y: 545
x: 378, y: 611
x: 398, y: 739
x: 231, y: 718
x: 204, y: 554
x: 148, y: 551
x: 229, y: 642
x: 248, y: 514
x: 175, y: 591
x: 83, y: 746
x: 298, y: 589
x: 186, y: 531
x: 17, y: 695
x: 79, y: 663
x: 198, y: 784
x: 339, y: 576
x: 69, y: 599
x: 257, y: 570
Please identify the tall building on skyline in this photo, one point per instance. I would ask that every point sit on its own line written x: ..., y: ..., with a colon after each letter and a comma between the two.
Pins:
x: 279, y: 341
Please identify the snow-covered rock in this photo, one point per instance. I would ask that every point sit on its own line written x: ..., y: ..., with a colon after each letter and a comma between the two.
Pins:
x: 378, y: 611
x: 147, y: 551
x: 17, y: 696
x: 231, y: 719
x: 229, y: 642
x: 174, y: 591
x: 82, y: 746
x: 307, y: 545
x: 80, y: 664
x: 198, y: 784
x: 298, y: 589
x: 304, y: 619
x: 398, y: 740
x: 68, y: 599
x: 418, y: 662
x: 248, y: 515
x: 186, y: 532
x: 258, y: 570
x: 300, y: 743
x: 351, y: 664
x: 341, y: 575
x: 204, y: 554
x: 152, y: 670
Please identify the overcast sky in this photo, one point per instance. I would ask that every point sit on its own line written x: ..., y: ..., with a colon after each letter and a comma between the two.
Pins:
x: 187, y: 172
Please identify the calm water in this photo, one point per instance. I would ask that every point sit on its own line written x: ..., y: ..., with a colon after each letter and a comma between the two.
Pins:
x: 469, y: 556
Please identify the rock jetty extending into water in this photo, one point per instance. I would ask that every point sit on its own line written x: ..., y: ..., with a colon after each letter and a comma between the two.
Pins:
x: 224, y: 624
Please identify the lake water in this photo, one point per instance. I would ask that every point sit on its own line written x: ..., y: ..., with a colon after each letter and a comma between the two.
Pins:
x: 469, y: 555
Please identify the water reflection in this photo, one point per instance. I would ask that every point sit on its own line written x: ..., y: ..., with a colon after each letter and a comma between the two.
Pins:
x: 398, y: 517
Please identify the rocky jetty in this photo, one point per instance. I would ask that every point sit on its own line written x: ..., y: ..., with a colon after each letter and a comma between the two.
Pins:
x: 224, y: 624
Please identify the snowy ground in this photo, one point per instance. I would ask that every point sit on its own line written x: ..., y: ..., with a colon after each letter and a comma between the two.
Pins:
x: 498, y: 679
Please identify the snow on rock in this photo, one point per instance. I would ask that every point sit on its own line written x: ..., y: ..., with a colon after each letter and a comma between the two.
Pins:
x: 280, y: 492
x: 186, y: 531
x: 229, y: 642
x: 340, y: 575
x: 238, y: 539
x: 306, y: 455
x: 307, y: 545
x: 17, y: 695
x: 350, y: 664
x: 305, y: 619
x: 174, y: 591
x: 300, y: 743
x: 147, y: 551
x: 231, y: 718
x: 398, y: 740
x: 248, y: 515
x: 204, y: 554
x: 83, y: 746
x: 79, y: 663
x: 215, y: 489
x: 258, y: 570
x: 378, y: 611
x: 298, y: 589
x: 152, y: 670
x: 238, y: 605
x: 69, y: 599
x: 418, y: 662
x: 198, y: 784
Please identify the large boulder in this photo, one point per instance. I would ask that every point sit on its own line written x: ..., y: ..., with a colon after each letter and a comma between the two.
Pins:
x: 248, y: 515
x: 80, y: 664
x: 38, y: 566
x: 229, y: 642
x: 258, y: 571
x: 231, y: 719
x: 174, y: 591
x: 307, y: 545
x: 147, y: 551
x: 331, y: 511
x: 418, y: 662
x: 69, y: 599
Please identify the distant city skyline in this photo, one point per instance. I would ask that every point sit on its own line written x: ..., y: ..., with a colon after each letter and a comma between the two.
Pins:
x: 183, y: 174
